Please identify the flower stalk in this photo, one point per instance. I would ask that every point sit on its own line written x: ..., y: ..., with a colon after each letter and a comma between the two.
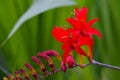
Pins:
x: 105, y: 65
x: 71, y: 64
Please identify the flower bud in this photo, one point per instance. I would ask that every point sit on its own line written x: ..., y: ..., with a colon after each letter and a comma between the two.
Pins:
x: 70, y: 61
x: 31, y: 69
x: 47, y: 58
x: 52, y: 53
x: 11, y: 77
x: 18, y: 77
x: 63, y: 66
x: 25, y: 74
x: 35, y: 59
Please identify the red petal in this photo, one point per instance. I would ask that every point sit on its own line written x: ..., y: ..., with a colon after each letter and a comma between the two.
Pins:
x: 75, y: 35
x: 96, y: 32
x: 90, y: 48
x: 65, y: 55
x: 75, y: 23
x: 82, y: 14
x: 80, y: 51
x: 60, y: 34
x: 91, y: 22
x: 67, y: 45
x: 85, y: 41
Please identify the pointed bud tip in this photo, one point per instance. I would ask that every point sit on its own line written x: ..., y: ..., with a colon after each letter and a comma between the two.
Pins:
x: 63, y: 66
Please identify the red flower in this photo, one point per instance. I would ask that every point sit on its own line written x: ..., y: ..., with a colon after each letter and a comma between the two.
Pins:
x: 80, y: 23
x: 79, y: 35
x: 68, y: 40
x: 84, y: 28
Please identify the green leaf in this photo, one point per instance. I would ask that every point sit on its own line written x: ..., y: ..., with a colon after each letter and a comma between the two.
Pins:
x: 38, y: 7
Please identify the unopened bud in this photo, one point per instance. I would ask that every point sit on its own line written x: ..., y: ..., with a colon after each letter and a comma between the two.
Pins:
x: 63, y: 66
x: 70, y: 61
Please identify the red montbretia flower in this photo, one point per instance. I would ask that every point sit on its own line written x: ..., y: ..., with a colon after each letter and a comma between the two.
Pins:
x: 68, y: 40
x: 79, y: 35
x: 80, y: 24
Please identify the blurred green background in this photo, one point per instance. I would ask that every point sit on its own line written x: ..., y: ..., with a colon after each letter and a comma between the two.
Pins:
x: 35, y: 36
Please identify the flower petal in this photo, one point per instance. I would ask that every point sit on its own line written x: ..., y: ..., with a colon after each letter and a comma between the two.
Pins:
x: 65, y: 55
x: 90, y: 48
x: 80, y: 51
x: 67, y: 45
x: 82, y: 14
x: 85, y: 41
x: 75, y: 23
x: 60, y: 34
x: 96, y: 32
x: 91, y: 22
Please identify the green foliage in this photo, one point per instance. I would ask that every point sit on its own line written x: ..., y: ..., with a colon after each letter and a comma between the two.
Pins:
x: 38, y: 7
x: 35, y: 35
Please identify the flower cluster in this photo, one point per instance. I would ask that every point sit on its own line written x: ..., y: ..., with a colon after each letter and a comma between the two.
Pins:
x: 73, y: 38
x: 21, y: 74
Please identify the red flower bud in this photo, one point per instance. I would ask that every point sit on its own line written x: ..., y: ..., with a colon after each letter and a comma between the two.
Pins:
x: 11, y: 77
x: 63, y: 66
x: 46, y: 57
x: 35, y: 59
x: 18, y: 77
x: 52, y: 53
x: 70, y: 61
x: 31, y: 69
x: 25, y: 74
